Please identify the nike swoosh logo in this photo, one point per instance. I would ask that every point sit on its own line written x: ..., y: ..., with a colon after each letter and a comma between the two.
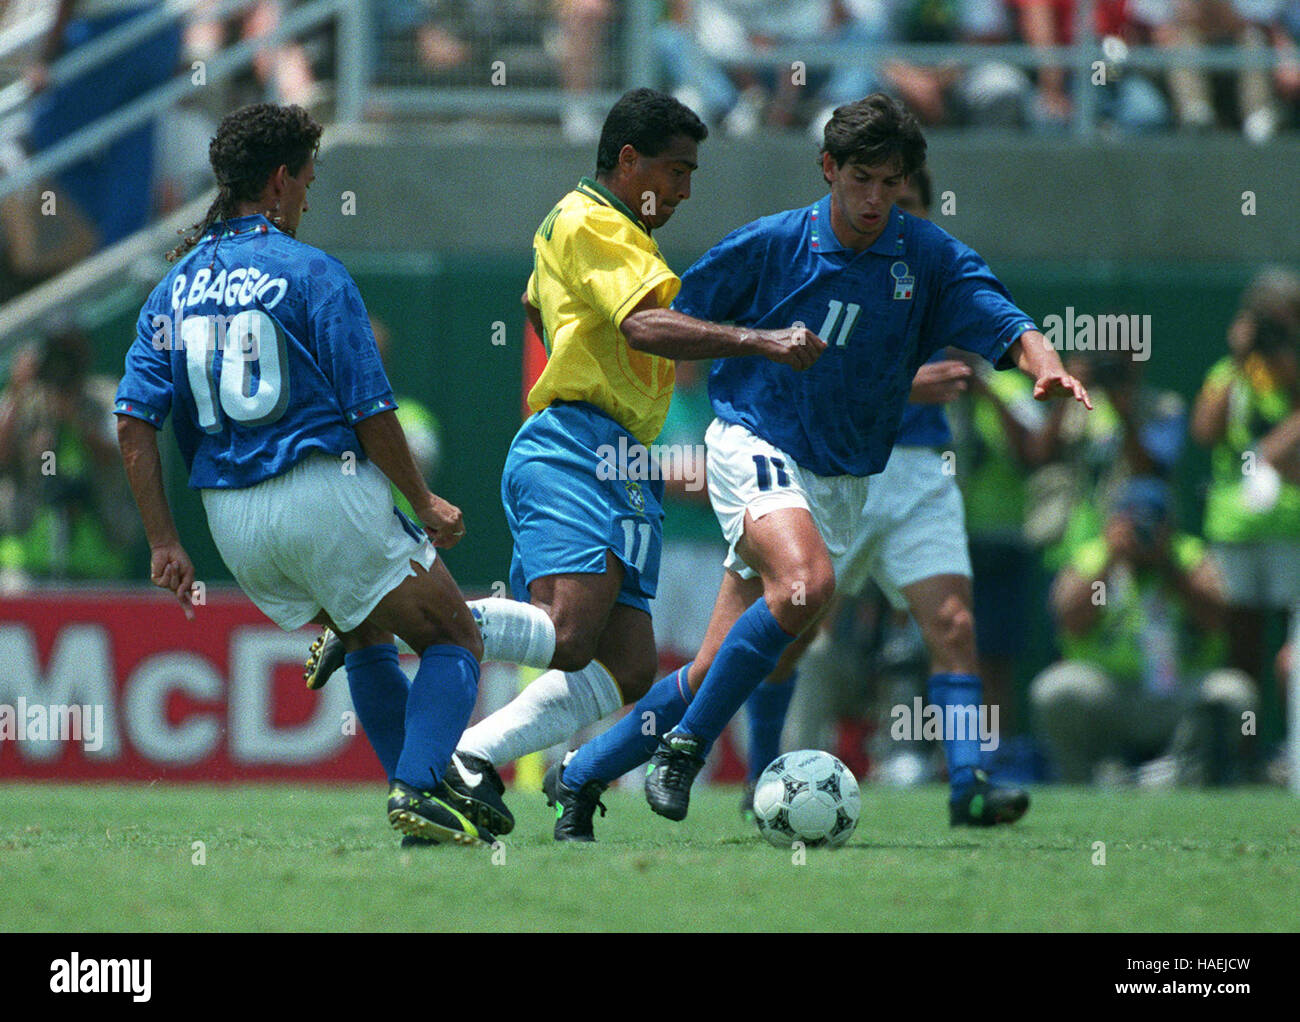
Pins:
x: 471, y: 778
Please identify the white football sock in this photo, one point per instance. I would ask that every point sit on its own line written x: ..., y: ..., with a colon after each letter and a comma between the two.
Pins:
x: 515, y: 632
x: 548, y: 711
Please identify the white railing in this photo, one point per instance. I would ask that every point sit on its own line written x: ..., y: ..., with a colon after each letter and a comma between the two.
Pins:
x: 350, y: 82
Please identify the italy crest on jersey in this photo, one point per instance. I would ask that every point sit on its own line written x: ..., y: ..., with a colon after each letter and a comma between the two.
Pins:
x: 904, y: 282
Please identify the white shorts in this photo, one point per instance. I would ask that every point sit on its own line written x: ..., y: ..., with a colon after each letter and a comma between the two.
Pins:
x: 315, y: 537
x: 914, y: 527
x: 746, y: 473
x: 908, y: 524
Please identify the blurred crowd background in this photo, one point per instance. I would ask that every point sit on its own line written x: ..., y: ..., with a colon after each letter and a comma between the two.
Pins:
x: 1150, y: 685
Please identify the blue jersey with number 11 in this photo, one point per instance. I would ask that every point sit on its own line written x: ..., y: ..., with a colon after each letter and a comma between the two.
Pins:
x: 262, y: 347
x: 882, y: 313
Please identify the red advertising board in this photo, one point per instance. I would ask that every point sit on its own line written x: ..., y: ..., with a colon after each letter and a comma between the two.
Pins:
x: 118, y: 685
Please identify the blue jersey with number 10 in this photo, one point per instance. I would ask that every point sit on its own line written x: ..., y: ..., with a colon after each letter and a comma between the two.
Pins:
x: 882, y: 313
x: 263, y: 347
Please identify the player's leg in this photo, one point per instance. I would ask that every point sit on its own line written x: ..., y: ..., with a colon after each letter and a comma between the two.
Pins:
x: 377, y: 684
x: 587, y: 553
x: 427, y: 611
x: 562, y: 700
x: 786, y: 549
x: 941, y: 605
x: 577, y: 783
x: 313, y: 544
x: 766, y: 710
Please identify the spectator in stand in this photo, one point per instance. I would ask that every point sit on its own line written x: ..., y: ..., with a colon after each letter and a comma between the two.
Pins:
x: 71, y: 515
x: 1284, y: 36
x: 988, y: 94
x: 1244, y: 23
x: 1141, y: 614
x: 112, y: 187
x: 1248, y: 413
x: 584, y: 27
x: 283, y: 72
x: 699, y: 42
x: 1133, y: 430
x: 1129, y: 100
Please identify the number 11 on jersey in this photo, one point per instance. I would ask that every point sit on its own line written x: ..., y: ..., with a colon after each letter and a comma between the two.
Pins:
x: 832, y: 317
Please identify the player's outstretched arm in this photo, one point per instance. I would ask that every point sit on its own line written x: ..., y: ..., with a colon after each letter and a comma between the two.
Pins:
x: 385, y: 444
x: 672, y: 334
x: 170, y: 567
x: 1036, y: 357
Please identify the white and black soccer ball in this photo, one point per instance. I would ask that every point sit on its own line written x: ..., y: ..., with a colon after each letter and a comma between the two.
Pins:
x: 807, y: 796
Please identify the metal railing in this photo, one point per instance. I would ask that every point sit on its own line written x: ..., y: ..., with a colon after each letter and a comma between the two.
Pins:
x: 477, y: 96
x: 351, y: 77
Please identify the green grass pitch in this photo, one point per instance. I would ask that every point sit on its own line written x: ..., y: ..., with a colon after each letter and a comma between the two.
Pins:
x: 101, y: 858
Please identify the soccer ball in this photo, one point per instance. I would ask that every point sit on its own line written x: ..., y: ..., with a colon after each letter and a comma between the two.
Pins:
x: 807, y: 796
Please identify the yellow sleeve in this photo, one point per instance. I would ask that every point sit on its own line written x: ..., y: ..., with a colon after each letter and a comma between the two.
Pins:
x: 531, y: 291
x: 608, y: 268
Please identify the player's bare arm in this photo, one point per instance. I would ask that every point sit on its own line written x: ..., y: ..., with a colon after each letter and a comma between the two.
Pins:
x: 385, y: 444
x: 671, y: 334
x: 1036, y: 357
x: 170, y: 567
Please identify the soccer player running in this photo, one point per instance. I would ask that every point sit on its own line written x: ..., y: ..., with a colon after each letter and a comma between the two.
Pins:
x: 261, y: 346
x: 790, y: 454
x: 586, y: 532
x: 913, y: 544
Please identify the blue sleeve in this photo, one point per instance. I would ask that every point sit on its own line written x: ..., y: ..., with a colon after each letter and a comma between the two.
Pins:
x: 146, y: 388
x: 974, y: 311
x: 347, y: 354
x: 719, y: 287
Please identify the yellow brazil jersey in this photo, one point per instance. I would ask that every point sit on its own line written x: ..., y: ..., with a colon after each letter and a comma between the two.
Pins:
x: 593, y: 263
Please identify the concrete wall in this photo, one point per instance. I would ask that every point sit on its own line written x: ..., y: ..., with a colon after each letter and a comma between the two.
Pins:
x: 1017, y: 196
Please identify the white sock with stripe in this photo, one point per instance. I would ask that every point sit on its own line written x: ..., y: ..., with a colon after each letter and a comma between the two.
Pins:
x: 548, y: 711
x: 515, y: 632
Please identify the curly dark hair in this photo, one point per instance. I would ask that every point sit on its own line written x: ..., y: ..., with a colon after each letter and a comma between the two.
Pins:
x: 249, y: 146
x: 648, y: 121
x: 872, y: 131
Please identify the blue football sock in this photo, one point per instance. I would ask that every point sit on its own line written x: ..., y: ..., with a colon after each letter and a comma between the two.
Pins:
x: 963, y: 755
x: 631, y: 741
x: 379, y: 690
x: 747, y: 656
x: 766, y: 708
x: 437, y: 710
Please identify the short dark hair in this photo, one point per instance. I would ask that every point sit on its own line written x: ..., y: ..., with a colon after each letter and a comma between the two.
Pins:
x: 249, y: 146
x: 872, y: 131
x: 647, y: 120
x: 924, y: 186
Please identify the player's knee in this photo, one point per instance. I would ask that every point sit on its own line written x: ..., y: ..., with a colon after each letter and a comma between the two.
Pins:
x: 575, y: 647
x: 951, y: 637
x: 800, y: 596
x: 471, y: 638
